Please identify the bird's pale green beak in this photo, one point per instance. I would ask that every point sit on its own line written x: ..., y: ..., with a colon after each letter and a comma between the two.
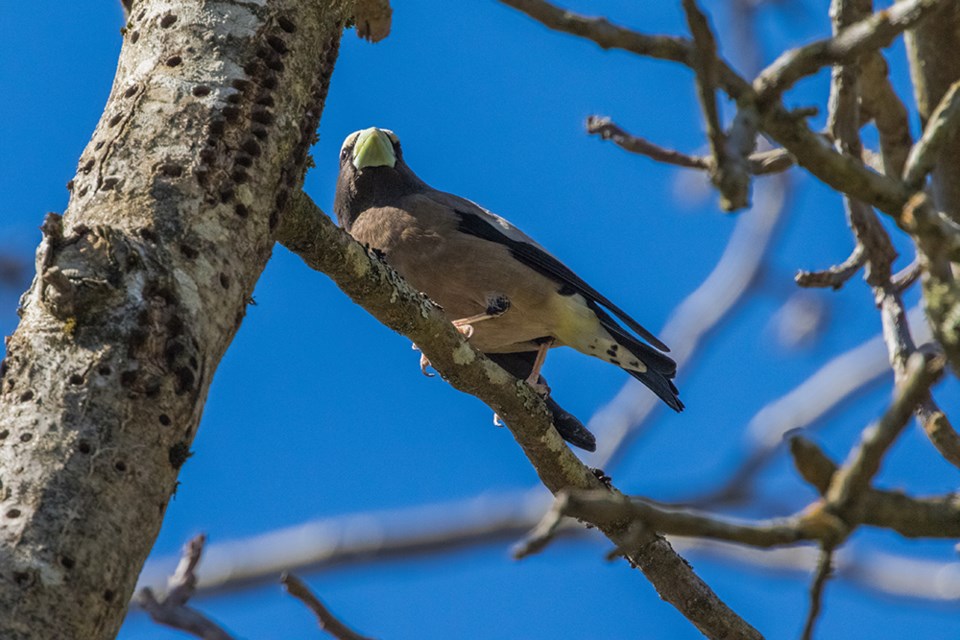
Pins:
x: 373, y: 149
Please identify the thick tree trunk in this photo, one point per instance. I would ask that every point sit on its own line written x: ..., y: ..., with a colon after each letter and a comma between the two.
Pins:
x: 140, y: 287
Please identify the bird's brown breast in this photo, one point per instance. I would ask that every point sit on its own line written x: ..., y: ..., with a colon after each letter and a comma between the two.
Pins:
x: 461, y: 273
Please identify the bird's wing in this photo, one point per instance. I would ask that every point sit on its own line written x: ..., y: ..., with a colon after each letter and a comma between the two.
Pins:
x: 477, y: 221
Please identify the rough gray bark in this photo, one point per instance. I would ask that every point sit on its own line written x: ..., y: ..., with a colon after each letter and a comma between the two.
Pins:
x: 140, y: 288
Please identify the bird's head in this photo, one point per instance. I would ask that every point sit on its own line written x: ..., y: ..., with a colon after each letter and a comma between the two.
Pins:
x: 372, y: 173
x: 370, y: 148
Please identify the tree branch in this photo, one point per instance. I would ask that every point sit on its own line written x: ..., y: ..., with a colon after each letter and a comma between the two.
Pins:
x: 729, y: 154
x: 327, y: 621
x: 761, y: 163
x: 377, y: 288
x: 608, y: 130
x: 933, y: 517
x: 837, y: 275
x: 940, y: 128
x: 171, y: 611
x: 610, y: 36
x: 870, y: 34
x: 864, y: 460
x: 820, y: 577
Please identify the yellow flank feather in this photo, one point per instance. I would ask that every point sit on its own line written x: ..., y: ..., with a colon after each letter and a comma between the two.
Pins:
x: 577, y: 326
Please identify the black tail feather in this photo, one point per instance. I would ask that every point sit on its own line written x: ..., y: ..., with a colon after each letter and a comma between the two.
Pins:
x: 661, y: 368
x: 660, y: 385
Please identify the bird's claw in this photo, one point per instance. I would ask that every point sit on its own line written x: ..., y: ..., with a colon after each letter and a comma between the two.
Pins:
x: 497, y: 422
x: 424, y: 363
x: 542, y: 388
x: 465, y: 329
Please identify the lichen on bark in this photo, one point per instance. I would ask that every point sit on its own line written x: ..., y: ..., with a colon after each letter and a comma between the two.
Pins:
x: 140, y: 288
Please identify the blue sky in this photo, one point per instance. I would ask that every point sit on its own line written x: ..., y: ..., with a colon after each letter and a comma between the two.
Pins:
x: 317, y: 410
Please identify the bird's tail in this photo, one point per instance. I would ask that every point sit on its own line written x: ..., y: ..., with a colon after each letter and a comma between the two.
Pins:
x: 660, y: 385
x: 643, y: 362
x: 654, y: 369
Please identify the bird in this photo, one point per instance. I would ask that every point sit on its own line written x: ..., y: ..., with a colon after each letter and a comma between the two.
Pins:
x: 511, y: 298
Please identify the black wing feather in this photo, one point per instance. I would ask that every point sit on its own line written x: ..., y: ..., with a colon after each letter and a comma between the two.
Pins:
x: 543, y: 262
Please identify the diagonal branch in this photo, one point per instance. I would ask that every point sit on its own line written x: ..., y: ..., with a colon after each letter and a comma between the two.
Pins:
x: 854, y: 477
x: 371, y: 283
x: 829, y: 522
x: 940, y: 128
x: 327, y: 621
x: 611, y: 36
x: 730, y: 173
x: 869, y: 34
x: 820, y: 577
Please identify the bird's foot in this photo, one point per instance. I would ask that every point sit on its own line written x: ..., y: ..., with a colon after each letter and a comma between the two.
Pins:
x: 424, y: 362
x: 497, y: 422
x: 465, y: 329
x: 541, y: 388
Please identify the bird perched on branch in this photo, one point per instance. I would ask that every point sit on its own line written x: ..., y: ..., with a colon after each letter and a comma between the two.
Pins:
x: 506, y: 293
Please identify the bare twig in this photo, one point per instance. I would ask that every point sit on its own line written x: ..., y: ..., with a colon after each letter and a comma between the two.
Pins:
x: 864, y: 461
x: 599, y: 507
x: 327, y: 621
x: 820, y: 577
x: 870, y: 34
x: 730, y: 173
x: 611, y: 36
x: 841, y: 172
x: 804, y: 406
x: 761, y: 163
x: 837, y: 275
x: 940, y: 127
x: 171, y: 610
x: 608, y: 130
x: 544, y: 533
